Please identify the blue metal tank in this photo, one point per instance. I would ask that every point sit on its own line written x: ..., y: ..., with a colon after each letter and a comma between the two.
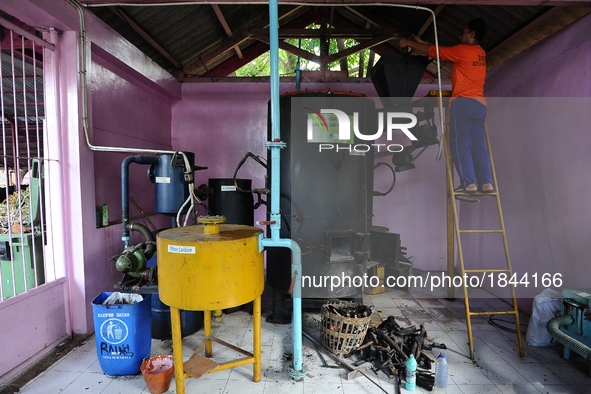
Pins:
x: 171, y: 189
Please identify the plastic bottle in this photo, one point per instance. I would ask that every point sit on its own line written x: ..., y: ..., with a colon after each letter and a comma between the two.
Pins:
x: 411, y: 374
x: 441, y: 374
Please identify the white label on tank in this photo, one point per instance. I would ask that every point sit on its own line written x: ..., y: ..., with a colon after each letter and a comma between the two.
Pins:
x: 162, y: 179
x: 181, y: 249
x: 228, y: 188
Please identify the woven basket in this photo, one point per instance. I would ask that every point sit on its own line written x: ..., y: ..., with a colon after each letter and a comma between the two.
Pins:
x: 340, y: 334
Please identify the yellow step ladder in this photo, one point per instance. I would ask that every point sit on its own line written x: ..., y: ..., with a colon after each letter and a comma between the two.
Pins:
x: 454, y: 233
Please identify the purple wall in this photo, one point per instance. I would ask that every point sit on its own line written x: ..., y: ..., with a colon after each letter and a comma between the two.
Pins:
x: 129, y: 108
x: 558, y: 66
x: 544, y: 221
x: 130, y: 111
x: 124, y: 114
x: 540, y: 146
x: 220, y: 122
x: 542, y: 166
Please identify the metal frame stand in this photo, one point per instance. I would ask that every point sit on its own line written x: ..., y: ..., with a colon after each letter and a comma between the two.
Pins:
x: 207, y: 343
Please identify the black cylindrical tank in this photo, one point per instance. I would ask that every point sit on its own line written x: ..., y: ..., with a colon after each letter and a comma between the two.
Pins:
x: 168, y: 175
x: 225, y: 200
x: 325, y: 195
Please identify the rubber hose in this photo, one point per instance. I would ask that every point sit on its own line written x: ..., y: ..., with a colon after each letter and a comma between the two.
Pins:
x: 553, y: 327
x: 148, y: 236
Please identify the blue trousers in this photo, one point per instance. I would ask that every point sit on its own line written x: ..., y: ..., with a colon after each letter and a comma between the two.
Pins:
x: 468, y: 142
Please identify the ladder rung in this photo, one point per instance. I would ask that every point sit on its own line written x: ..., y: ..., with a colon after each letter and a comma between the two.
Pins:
x: 481, y: 231
x: 480, y: 271
x: 492, y: 313
x: 474, y: 194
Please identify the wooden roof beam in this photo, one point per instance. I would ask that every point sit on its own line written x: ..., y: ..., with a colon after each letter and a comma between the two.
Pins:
x: 218, y: 13
x: 227, y: 45
x: 324, y: 60
x: 429, y: 20
x: 362, y: 16
x: 332, y: 33
x: 547, y: 24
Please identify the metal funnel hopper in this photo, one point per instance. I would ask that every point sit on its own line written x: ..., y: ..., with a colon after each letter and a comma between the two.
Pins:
x: 396, y: 77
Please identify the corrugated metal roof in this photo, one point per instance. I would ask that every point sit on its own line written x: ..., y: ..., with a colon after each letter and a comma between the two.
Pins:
x: 190, y: 40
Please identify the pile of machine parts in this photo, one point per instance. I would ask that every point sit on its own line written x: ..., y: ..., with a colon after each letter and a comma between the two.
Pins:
x: 389, y: 345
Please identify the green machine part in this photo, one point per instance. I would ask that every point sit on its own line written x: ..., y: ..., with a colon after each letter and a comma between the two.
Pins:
x: 26, y: 262
x: 22, y: 264
x: 132, y: 261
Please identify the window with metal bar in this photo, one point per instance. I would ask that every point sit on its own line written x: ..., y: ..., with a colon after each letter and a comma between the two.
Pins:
x: 22, y: 216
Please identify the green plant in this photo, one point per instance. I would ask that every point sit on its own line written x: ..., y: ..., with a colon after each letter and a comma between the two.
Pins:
x: 15, y: 209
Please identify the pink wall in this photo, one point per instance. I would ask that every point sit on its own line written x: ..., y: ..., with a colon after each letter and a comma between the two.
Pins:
x: 540, y: 147
x: 26, y: 334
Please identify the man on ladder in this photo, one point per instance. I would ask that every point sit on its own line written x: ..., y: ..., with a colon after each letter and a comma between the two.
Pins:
x: 467, y: 105
x: 469, y: 150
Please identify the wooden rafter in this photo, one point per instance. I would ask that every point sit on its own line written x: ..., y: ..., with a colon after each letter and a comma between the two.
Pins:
x: 548, y: 23
x: 367, y: 38
x: 341, y: 46
x: 324, y: 60
x: 359, y: 47
x: 232, y: 64
x: 429, y: 20
x: 332, y: 33
x: 218, y: 13
x: 200, y: 65
x: 342, y: 22
x: 367, y: 19
x: 227, y: 45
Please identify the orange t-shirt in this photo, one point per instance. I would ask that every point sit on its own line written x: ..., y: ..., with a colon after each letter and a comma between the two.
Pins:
x: 468, y: 72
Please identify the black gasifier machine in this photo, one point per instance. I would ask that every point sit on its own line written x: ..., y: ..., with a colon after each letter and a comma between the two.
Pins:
x: 326, y: 196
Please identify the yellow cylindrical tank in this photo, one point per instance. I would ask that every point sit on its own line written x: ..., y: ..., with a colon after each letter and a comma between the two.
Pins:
x: 202, y: 268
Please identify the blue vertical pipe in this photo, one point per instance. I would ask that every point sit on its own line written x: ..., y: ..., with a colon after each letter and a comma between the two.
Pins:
x: 275, y: 125
x: 298, y: 71
x: 275, y: 145
x: 125, y: 190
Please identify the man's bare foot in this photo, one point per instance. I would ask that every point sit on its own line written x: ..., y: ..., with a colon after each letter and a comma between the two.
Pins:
x: 487, y: 188
x: 472, y: 188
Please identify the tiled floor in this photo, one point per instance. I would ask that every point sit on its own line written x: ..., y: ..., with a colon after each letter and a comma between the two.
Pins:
x: 497, y: 367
